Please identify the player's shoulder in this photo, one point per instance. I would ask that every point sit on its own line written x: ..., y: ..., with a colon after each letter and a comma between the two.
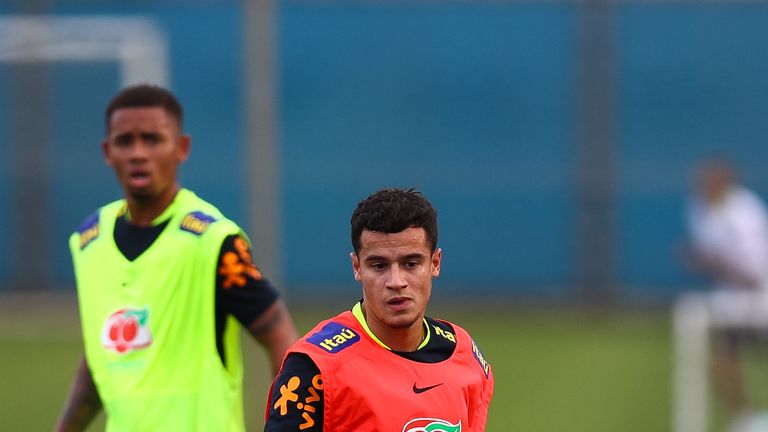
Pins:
x: 298, y: 362
x: 90, y: 227
x: 332, y: 338
x: 197, y: 222
x: 95, y: 217
x: 442, y: 329
x: 199, y: 216
x: 87, y: 231
x: 741, y: 196
x: 190, y: 203
x: 467, y: 343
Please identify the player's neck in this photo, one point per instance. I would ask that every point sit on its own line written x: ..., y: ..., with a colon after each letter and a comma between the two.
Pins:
x: 406, y: 339
x: 143, y: 212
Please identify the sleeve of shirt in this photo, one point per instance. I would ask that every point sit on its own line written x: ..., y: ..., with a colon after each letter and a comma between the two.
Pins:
x: 296, y: 401
x: 241, y: 289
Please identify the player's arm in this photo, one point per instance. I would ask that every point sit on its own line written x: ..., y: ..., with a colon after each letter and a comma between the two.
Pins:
x: 295, y: 402
x: 478, y: 403
x: 274, y: 329
x: 83, y: 402
x: 243, y: 292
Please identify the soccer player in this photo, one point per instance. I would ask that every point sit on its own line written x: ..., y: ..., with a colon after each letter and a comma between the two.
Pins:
x: 384, y: 365
x: 163, y: 278
x: 728, y: 227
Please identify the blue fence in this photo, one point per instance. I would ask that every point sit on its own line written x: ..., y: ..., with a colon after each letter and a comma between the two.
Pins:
x: 475, y: 104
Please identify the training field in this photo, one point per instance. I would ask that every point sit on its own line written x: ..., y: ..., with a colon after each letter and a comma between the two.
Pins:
x: 556, y: 371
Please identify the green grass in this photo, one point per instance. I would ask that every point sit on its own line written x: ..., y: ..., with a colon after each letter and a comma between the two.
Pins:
x: 569, y: 372
x: 554, y: 371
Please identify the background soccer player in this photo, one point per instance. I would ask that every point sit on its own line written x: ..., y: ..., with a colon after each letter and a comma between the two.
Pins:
x: 162, y: 278
x: 384, y: 365
x: 728, y: 226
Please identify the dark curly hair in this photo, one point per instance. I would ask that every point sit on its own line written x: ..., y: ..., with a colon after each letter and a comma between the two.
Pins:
x: 145, y: 95
x: 392, y: 211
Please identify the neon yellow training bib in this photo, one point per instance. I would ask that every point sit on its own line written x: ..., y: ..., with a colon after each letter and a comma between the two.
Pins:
x: 148, y: 324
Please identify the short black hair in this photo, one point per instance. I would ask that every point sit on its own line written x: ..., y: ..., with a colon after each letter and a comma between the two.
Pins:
x: 394, y: 210
x: 145, y: 95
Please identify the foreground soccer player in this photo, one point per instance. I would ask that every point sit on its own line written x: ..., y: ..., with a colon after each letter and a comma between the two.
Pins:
x: 384, y: 365
x: 162, y: 279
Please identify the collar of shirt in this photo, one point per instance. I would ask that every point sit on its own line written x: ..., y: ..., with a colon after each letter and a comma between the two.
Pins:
x: 163, y: 217
x: 357, y: 311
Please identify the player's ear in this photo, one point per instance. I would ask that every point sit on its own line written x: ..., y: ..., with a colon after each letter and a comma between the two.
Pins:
x: 355, y: 266
x: 185, y: 146
x: 437, y: 256
x: 105, y: 152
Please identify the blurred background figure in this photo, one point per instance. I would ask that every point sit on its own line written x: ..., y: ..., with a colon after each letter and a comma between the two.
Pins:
x: 728, y: 245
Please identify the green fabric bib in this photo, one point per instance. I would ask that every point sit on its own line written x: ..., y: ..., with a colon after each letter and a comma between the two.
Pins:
x: 148, y: 324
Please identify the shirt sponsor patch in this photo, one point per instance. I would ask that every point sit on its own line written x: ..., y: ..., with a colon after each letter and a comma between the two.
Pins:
x: 196, y: 222
x: 289, y: 400
x: 334, y: 337
x: 445, y: 333
x: 431, y: 425
x: 481, y: 359
x: 126, y: 330
x: 89, y: 230
x: 237, y: 267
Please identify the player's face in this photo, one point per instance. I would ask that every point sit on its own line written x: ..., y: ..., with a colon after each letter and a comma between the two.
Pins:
x: 396, y: 272
x: 714, y: 182
x: 145, y: 147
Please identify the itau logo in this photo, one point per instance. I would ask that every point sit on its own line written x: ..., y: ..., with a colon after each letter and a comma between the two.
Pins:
x: 431, y: 425
x: 127, y: 330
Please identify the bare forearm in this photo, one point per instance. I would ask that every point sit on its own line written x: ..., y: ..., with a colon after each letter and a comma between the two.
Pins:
x: 83, y: 402
x: 275, y: 330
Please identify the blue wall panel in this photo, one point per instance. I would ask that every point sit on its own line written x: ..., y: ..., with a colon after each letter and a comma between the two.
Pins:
x: 5, y: 174
x: 471, y: 104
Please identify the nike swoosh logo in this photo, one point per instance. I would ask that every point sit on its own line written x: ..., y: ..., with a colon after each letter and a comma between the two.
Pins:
x: 418, y: 390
